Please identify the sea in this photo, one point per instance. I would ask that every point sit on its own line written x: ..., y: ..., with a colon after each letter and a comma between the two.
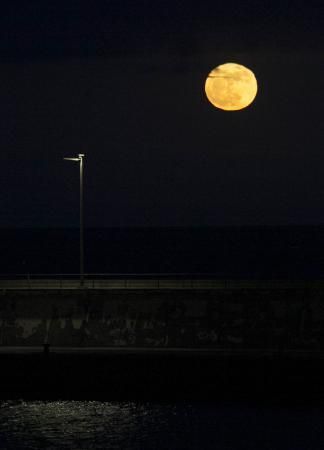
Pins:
x: 169, y: 426
x: 282, y: 252
x: 291, y: 252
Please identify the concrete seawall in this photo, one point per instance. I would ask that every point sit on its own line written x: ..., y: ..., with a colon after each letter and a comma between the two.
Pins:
x: 231, y: 316
x: 161, y: 339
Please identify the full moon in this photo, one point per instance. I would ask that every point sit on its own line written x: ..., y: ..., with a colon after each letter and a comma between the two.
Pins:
x: 231, y: 87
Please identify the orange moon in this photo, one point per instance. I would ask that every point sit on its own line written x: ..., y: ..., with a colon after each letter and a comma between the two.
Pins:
x: 231, y: 87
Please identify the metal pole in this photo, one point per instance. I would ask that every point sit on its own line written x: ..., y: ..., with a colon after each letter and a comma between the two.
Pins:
x: 81, y: 223
x: 79, y: 159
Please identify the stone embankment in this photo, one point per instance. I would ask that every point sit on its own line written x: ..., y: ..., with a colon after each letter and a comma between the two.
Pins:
x: 161, y: 339
x: 232, y: 316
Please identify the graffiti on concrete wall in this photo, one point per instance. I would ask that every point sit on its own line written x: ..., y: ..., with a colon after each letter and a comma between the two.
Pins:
x: 221, y: 319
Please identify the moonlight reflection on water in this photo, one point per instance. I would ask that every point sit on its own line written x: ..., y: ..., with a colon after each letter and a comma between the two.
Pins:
x: 116, y: 425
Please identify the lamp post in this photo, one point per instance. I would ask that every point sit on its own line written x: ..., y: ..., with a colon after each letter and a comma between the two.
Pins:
x: 79, y: 159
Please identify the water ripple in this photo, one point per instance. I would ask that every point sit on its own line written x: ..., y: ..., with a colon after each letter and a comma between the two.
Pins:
x: 129, y: 425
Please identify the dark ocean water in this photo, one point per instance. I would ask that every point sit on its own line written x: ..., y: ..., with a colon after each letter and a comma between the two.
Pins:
x: 238, y: 252
x: 128, y: 425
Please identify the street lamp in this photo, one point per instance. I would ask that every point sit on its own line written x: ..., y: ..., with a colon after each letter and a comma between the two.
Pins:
x: 79, y: 159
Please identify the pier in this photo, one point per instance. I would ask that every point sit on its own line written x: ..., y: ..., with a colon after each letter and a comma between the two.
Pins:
x: 139, y: 335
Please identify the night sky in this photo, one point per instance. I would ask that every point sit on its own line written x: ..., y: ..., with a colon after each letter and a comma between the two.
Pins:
x: 123, y: 82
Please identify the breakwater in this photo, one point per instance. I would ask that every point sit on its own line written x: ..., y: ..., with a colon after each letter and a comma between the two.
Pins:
x: 160, y: 338
x: 233, y: 315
